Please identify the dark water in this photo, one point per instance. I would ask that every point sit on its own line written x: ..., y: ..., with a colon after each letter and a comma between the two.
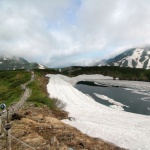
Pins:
x: 135, y: 101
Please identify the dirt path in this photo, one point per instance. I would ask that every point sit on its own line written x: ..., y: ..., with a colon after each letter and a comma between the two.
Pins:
x: 22, y: 100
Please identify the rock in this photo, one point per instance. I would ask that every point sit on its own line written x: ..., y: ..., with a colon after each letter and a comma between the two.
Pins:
x: 54, y: 141
x: 29, y: 112
x: 81, y: 144
x: 17, y: 116
x: 71, y: 148
x: 71, y: 118
x: 66, y: 137
x: 63, y: 148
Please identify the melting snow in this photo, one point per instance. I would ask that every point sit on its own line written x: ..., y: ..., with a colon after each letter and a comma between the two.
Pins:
x: 116, y: 107
x: 41, y: 66
x: 127, y: 130
x: 110, y: 100
x: 115, y: 64
x: 136, y: 56
x: 148, y: 65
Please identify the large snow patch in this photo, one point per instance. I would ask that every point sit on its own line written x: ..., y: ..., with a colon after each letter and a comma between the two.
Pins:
x: 127, y: 130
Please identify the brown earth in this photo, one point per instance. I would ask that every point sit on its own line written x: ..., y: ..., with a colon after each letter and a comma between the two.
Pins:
x: 41, y: 129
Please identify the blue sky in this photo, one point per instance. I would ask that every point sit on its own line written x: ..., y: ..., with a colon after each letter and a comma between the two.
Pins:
x: 72, y: 32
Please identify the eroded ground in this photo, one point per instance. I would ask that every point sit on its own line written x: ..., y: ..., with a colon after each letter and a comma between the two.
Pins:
x: 41, y: 129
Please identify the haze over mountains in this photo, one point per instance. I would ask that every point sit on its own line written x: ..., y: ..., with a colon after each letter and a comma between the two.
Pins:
x: 13, y: 63
x: 134, y: 58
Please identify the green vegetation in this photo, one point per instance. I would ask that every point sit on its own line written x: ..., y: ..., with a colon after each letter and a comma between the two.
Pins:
x: 39, y: 91
x: 40, y: 97
x: 123, y: 73
x: 10, y: 81
x: 10, y: 87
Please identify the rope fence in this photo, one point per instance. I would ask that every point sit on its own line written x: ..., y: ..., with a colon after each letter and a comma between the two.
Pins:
x: 22, y: 142
x: 18, y: 139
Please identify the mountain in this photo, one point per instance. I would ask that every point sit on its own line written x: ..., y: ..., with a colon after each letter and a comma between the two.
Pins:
x: 13, y: 63
x: 134, y: 58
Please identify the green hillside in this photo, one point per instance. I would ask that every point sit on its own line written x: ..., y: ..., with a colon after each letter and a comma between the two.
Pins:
x: 123, y: 73
x: 39, y: 94
x: 10, y: 85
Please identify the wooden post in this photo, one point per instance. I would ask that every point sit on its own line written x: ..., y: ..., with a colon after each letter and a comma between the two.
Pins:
x: 3, y: 108
x: 0, y: 124
x: 8, y: 132
x: 8, y: 139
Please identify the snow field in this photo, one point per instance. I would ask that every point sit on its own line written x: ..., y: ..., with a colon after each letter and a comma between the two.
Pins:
x: 127, y: 130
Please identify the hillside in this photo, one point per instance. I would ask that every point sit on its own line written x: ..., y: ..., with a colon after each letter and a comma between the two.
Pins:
x: 133, y: 58
x: 10, y: 85
x: 43, y: 131
x: 38, y: 123
x: 14, y: 63
x: 123, y: 73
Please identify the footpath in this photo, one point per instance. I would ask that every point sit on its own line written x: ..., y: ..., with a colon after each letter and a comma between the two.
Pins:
x: 10, y: 111
x: 14, y: 108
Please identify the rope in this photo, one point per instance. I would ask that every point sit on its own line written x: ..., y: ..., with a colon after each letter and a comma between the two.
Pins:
x: 3, y: 127
x: 18, y: 139
x: 22, y: 142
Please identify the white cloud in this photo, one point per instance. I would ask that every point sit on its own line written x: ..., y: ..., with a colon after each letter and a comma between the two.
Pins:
x: 57, y: 32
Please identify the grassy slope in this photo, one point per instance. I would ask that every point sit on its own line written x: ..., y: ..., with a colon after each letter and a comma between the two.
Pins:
x: 40, y: 96
x: 10, y: 85
x: 10, y: 89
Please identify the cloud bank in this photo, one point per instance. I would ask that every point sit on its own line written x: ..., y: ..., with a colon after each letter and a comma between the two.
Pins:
x: 71, y: 32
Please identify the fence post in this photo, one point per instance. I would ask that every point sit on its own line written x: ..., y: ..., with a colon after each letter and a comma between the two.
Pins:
x: 8, y: 132
x: 0, y: 124
x: 3, y: 108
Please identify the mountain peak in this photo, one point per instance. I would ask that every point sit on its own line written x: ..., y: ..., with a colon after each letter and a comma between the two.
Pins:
x: 13, y: 63
x: 134, y: 58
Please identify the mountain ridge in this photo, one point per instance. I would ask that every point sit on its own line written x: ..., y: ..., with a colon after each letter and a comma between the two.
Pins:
x: 13, y: 63
x: 133, y: 58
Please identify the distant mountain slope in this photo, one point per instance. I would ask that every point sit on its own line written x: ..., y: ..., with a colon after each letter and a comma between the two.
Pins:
x: 13, y: 63
x: 134, y: 58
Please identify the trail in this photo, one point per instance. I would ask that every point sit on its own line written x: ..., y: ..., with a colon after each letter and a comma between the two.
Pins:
x: 12, y: 109
x: 21, y: 102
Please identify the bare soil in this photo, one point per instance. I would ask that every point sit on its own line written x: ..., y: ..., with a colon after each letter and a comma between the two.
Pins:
x: 40, y: 128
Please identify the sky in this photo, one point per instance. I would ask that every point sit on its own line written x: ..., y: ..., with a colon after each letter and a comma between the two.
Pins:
x: 60, y: 33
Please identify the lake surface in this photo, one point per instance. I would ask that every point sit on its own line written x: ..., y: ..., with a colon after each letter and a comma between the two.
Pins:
x: 138, y: 101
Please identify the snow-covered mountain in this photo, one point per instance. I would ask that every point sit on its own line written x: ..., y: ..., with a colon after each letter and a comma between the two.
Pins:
x: 134, y: 58
x: 13, y: 63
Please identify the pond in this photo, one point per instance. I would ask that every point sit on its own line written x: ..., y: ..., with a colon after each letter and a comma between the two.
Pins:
x: 132, y: 100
